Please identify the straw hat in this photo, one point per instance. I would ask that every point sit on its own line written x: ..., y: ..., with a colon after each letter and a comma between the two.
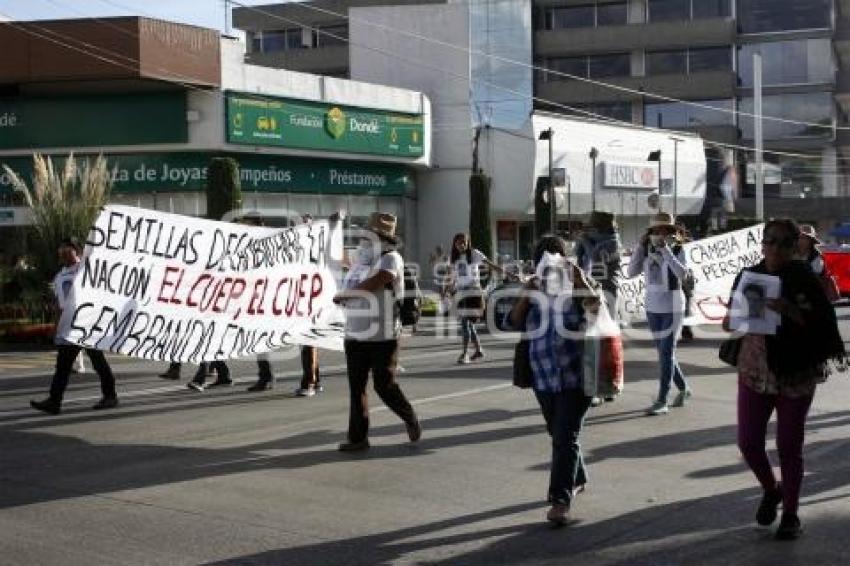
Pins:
x: 808, y: 231
x: 663, y: 220
x: 383, y: 224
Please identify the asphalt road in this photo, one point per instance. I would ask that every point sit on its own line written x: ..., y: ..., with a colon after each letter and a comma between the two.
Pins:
x: 230, y: 477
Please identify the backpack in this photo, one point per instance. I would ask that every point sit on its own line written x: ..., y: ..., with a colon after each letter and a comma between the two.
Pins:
x: 410, y: 304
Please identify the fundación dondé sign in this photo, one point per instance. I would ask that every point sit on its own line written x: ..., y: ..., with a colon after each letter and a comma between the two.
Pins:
x: 630, y: 175
x: 187, y: 171
x: 284, y: 122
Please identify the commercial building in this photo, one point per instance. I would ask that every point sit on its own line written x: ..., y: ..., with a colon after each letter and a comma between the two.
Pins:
x: 161, y: 99
x: 648, y: 54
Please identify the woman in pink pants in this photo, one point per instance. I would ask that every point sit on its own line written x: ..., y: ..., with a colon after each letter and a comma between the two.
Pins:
x: 780, y: 371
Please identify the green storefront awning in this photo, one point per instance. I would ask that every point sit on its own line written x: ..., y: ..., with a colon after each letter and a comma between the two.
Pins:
x: 187, y: 171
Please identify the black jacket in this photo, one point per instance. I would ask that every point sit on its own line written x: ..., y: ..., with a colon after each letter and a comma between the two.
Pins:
x: 797, y: 347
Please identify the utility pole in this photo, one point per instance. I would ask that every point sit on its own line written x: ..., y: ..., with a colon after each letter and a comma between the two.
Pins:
x: 676, y: 142
x: 594, y: 153
x: 547, y: 135
x: 759, y: 135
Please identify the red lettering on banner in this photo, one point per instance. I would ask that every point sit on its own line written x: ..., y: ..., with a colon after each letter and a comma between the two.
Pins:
x: 216, y: 307
x: 275, y: 310
x: 190, y: 302
x: 315, y: 290
x: 255, y: 306
x: 166, y: 282
x: 301, y: 294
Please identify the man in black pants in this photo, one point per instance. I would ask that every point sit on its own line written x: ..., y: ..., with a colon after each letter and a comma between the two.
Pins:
x: 69, y: 257
x: 372, y: 331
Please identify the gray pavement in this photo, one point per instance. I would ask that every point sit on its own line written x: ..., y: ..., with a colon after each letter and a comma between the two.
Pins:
x: 231, y: 477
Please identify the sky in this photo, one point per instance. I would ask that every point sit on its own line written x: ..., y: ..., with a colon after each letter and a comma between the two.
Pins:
x: 206, y: 13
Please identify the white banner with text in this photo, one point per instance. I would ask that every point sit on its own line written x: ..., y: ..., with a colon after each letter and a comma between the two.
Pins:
x: 167, y: 287
x: 715, y: 262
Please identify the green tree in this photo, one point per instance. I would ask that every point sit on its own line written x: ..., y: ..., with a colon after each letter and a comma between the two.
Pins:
x: 479, y: 213
x: 64, y: 200
x: 224, y: 190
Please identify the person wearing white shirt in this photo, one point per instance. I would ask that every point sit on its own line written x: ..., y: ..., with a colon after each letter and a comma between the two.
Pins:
x: 69, y: 257
x: 372, y: 330
x: 466, y: 263
x: 660, y: 257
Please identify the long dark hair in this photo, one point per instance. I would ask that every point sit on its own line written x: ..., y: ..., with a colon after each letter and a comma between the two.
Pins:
x: 455, y: 255
x: 549, y: 243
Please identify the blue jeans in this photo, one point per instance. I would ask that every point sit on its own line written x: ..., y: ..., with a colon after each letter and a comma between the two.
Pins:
x: 665, y: 330
x: 564, y: 414
x: 468, y: 332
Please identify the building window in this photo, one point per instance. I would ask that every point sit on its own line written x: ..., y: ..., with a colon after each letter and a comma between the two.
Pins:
x: 681, y: 115
x: 760, y: 16
x: 615, y: 65
x: 575, y: 66
x: 572, y: 17
x: 667, y: 62
x: 620, y: 111
x: 332, y: 35
x: 800, y: 61
x: 587, y: 16
x: 704, y: 9
x: 669, y: 10
x: 683, y: 10
x: 286, y: 40
x: 710, y: 59
x: 614, y: 14
x: 812, y: 108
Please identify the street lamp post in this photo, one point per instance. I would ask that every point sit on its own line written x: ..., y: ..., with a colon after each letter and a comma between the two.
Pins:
x: 594, y: 153
x: 656, y: 156
x: 547, y: 135
x: 676, y: 142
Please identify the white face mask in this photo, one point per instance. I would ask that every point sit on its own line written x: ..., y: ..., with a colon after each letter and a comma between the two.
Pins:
x: 366, y: 252
x: 553, y: 274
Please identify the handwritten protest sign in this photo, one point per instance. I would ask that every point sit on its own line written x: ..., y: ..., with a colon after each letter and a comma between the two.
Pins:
x: 715, y: 262
x: 173, y: 288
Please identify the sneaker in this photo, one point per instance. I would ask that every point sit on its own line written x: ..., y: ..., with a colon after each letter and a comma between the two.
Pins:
x: 106, y: 403
x: 48, y: 406
x: 414, y: 431
x: 195, y: 385
x: 305, y: 392
x: 221, y: 383
x: 766, y: 513
x: 658, y: 408
x: 558, y: 514
x: 354, y: 446
x: 579, y: 489
x: 170, y: 374
x: 789, y: 527
x: 596, y: 401
x: 463, y: 360
x: 680, y: 399
x: 479, y: 355
x: 261, y: 385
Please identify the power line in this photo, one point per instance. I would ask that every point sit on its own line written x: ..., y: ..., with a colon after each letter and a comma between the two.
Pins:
x: 594, y: 116
x: 470, y: 51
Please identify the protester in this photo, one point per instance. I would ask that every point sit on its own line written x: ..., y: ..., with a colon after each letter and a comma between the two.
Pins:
x: 598, y: 253
x: 807, y: 249
x: 69, y: 257
x: 553, y: 315
x: 466, y: 265
x: 660, y: 257
x: 221, y: 370
x: 372, y: 331
x: 782, y: 371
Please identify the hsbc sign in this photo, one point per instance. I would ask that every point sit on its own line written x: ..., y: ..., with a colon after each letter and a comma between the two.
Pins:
x: 630, y: 175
